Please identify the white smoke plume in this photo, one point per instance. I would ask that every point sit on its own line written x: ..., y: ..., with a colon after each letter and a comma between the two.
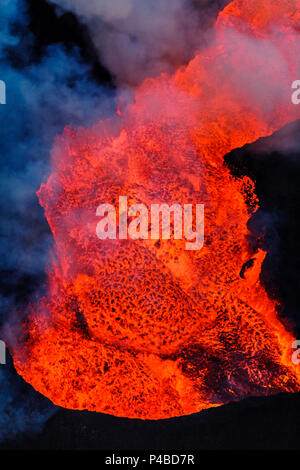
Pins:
x: 136, y: 39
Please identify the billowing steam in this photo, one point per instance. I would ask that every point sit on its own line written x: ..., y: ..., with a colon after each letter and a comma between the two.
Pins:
x: 137, y: 39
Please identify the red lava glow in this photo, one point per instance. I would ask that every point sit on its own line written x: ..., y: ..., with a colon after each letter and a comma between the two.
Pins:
x: 145, y: 329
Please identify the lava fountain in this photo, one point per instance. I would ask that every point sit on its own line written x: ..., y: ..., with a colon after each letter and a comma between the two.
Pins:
x: 143, y: 328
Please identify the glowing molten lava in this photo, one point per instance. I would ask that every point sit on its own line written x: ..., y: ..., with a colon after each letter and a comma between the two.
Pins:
x: 146, y: 329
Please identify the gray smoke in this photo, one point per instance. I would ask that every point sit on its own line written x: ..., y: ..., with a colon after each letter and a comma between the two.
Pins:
x: 136, y: 39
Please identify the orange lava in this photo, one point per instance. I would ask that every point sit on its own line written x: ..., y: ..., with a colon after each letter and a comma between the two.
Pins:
x: 148, y: 330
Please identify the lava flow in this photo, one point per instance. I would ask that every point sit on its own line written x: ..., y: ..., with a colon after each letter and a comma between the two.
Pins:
x: 144, y: 328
